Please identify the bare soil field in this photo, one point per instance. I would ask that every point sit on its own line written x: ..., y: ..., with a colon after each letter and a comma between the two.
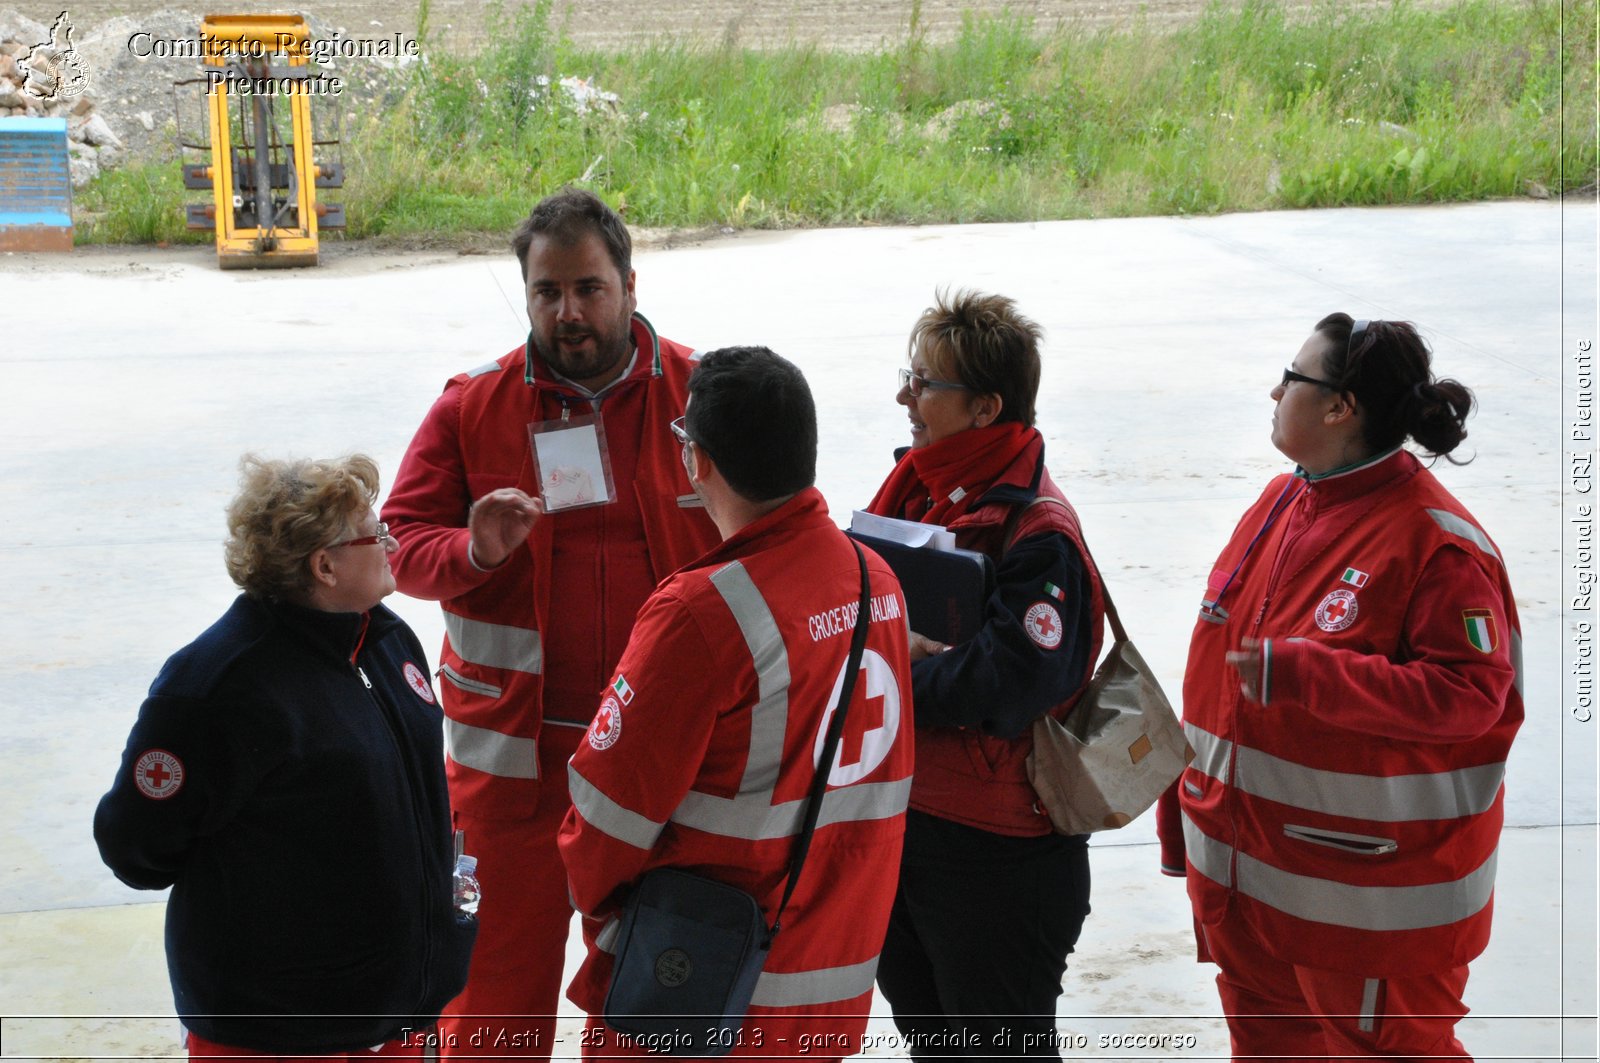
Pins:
x: 845, y: 24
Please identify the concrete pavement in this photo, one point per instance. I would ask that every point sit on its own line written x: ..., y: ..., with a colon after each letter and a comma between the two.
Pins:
x: 136, y: 378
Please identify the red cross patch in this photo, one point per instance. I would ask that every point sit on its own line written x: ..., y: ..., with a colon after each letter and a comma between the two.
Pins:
x: 418, y: 682
x: 607, y: 725
x: 1337, y: 611
x: 1043, y: 625
x: 158, y: 774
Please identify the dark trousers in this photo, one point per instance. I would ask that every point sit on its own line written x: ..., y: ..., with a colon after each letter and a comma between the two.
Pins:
x: 978, y: 939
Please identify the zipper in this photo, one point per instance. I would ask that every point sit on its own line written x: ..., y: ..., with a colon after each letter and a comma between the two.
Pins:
x: 408, y: 769
x: 1364, y: 844
x: 1278, y: 559
x: 471, y: 686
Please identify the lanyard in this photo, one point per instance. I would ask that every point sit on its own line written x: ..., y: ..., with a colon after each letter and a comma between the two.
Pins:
x: 1211, y: 608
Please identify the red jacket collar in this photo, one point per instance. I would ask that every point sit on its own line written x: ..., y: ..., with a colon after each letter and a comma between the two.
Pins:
x: 803, y: 512
x: 1353, y: 481
x: 646, y: 362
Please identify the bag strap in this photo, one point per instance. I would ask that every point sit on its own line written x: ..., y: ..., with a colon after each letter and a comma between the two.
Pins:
x: 802, y: 844
x: 1105, y: 592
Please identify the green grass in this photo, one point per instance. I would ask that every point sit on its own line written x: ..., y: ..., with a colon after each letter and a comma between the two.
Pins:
x: 1244, y: 109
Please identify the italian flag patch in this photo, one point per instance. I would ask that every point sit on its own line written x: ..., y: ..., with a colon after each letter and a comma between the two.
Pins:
x: 622, y: 689
x: 1480, y: 629
x: 1055, y: 592
x: 1354, y: 576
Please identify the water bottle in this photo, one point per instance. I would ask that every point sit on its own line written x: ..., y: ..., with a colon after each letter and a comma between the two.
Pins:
x: 465, y: 881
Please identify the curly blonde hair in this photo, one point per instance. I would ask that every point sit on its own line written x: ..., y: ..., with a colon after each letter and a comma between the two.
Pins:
x: 285, y: 511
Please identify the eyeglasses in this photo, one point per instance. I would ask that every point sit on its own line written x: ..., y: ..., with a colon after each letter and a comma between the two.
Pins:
x: 918, y: 384
x: 679, y: 431
x: 368, y: 540
x: 1290, y: 376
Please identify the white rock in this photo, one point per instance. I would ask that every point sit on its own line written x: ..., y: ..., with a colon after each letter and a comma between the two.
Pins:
x: 82, y: 163
x: 146, y: 119
x: 941, y: 125
x: 97, y: 132
x: 24, y: 31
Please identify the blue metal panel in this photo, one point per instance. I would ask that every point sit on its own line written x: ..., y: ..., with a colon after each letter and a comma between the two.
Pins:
x: 35, y: 181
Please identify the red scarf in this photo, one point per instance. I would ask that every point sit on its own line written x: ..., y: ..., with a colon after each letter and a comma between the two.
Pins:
x: 937, y: 483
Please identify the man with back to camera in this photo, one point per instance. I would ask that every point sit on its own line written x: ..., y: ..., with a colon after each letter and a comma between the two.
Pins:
x: 704, y: 749
x: 540, y: 502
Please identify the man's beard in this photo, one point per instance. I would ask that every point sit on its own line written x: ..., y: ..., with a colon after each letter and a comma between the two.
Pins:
x: 608, y: 350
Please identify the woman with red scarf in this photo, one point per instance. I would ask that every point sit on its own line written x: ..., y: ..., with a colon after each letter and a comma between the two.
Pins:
x: 990, y: 900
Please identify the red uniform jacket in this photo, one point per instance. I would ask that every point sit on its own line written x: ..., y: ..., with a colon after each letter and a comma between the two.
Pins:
x: 1353, y: 815
x: 702, y: 755
x: 598, y: 564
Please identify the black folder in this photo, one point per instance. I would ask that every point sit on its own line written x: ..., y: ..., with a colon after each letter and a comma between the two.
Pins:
x: 945, y: 590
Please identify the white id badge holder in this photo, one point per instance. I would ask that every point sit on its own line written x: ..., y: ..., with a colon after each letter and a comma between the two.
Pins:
x: 571, y: 463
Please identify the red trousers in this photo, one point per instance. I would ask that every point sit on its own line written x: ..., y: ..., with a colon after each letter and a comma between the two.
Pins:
x: 514, y: 984
x: 1292, y: 1012
x: 401, y: 1048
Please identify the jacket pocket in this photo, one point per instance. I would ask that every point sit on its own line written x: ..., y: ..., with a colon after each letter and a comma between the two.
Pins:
x: 1361, y: 844
x: 471, y: 686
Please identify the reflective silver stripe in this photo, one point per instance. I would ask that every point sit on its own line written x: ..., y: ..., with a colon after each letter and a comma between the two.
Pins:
x: 1211, y: 754
x: 1210, y: 857
x: 606, y: 939
x: 604, y: 814
x: 494, y: 645
x: 802, y: 989
x: 1320, y: 900
x: 751, y: 815
x: 490, y: 751
x: 754, y: 818
x: 691, y: 502
x: 1464, y: 528
x: 865, y: 801
x: 1369, y: 1005
x: 472, y: 686
x: 769, y: 720
x: 488, y: 367
x: 1516, y: 660
x: 1380, y: 798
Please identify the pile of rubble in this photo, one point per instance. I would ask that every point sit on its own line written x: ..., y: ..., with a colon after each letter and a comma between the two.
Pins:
x: 125, y: 109
x: 41, y: 76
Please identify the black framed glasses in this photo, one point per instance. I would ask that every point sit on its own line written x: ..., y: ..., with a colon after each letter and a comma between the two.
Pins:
x: 918, y: 384
x: 679, y: 431
x: 383, y: 536
x: 1290, y: 376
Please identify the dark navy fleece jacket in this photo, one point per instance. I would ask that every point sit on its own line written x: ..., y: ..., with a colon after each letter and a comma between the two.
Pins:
x: 285, y: 777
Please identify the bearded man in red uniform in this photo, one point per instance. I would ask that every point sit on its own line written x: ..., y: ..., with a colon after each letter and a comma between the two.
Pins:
x: 706, y: 746
x: 540, y: 502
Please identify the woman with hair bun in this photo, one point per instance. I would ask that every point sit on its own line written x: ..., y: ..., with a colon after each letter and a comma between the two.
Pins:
x: 1353, y: 687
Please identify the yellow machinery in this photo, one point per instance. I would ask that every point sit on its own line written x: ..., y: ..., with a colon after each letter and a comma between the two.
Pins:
x: 257, y: 90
